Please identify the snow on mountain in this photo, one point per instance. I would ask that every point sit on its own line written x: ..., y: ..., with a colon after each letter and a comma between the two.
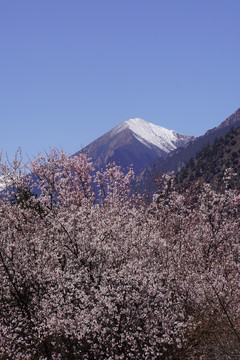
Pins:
x: 136, y: 142
x: 150, y: 134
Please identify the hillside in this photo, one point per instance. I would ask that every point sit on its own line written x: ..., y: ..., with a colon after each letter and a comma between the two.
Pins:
x: 212, y: 161
x: 176, y: 159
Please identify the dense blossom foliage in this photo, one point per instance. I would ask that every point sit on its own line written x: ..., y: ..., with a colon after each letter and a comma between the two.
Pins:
x: 88, y: 270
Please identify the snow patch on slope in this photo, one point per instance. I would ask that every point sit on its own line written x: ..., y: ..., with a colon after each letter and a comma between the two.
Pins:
x: 150, y: 134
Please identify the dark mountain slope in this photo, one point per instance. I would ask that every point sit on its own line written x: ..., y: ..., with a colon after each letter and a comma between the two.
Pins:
x: 212, y: 161
x: 176, y: 159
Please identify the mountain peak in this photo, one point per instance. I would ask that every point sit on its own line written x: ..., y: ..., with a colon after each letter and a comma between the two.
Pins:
x: 135, y: 121
x: 134, y: 141
x: 152, y: 135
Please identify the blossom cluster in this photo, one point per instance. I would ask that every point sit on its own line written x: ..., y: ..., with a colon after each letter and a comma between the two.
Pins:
x: 89, y: 270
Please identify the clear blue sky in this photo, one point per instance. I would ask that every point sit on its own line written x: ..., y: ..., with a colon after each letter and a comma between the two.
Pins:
x: 70, y: 70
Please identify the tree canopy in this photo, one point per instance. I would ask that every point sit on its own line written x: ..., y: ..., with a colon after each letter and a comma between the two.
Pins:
x: 104, y: 275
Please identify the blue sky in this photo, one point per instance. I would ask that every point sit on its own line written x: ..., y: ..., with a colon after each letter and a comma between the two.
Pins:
x: 70, y: 70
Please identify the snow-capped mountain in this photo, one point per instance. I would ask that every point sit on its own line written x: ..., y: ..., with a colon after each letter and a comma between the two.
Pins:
x: 153, y: 135
x: 134, y: 142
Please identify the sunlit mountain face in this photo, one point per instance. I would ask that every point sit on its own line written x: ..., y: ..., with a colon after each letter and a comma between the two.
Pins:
x: 134, y: 142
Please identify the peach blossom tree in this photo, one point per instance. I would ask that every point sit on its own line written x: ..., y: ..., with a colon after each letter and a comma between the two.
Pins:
x: 90, y: 271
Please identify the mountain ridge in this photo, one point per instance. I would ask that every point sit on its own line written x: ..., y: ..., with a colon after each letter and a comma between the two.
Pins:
x: 177, y: 158
x: 212, y: 162
x: 133, y: 142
